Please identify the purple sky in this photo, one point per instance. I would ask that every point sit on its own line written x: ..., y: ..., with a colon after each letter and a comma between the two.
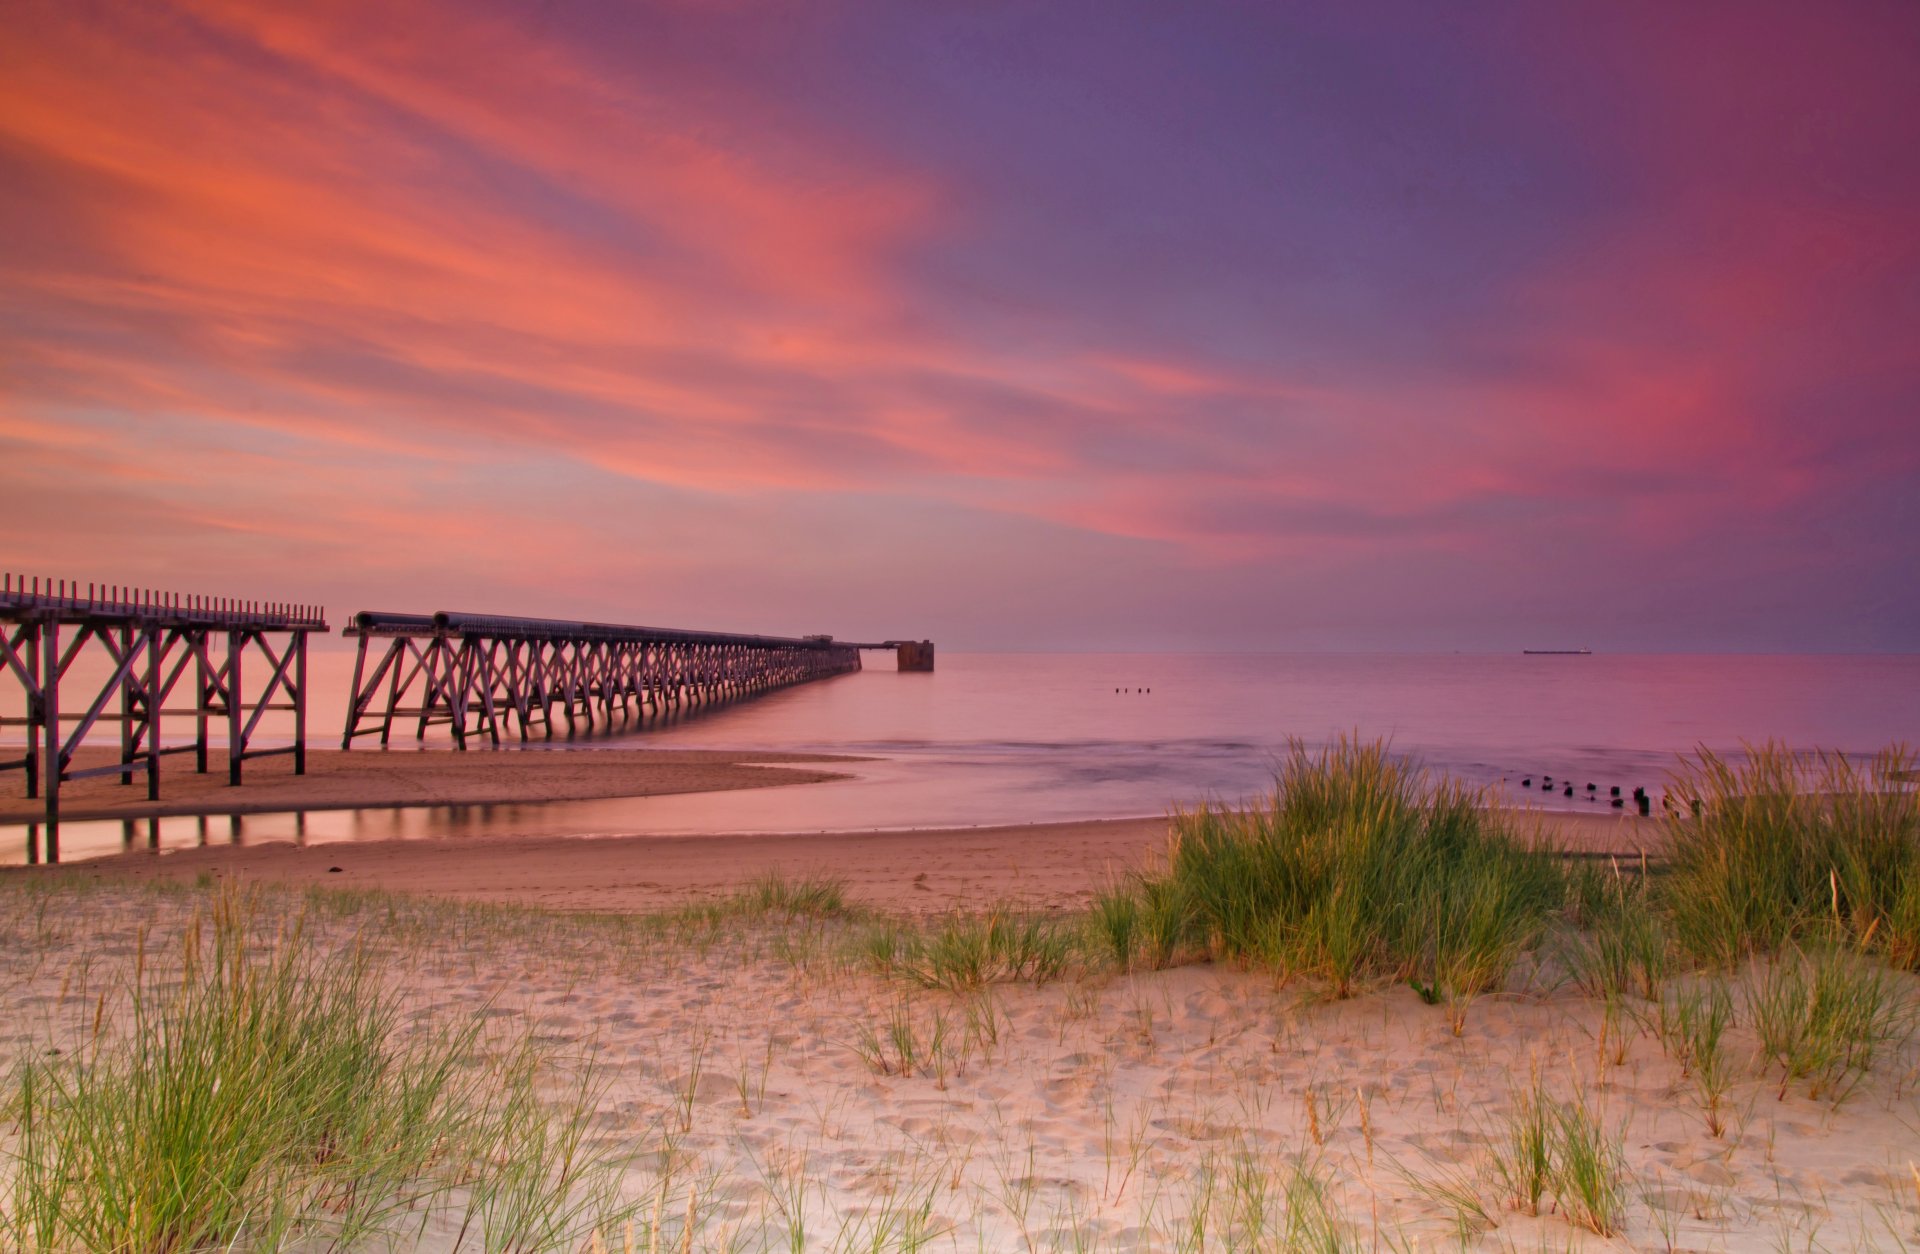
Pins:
x: 1104, y: 326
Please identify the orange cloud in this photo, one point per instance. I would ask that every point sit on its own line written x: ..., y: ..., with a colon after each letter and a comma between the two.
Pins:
x: 357, y: 259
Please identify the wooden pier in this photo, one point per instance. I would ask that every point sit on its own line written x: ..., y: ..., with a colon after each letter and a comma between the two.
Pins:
x: 147, y: 643
x: 496, y: 676
x: 137, y: 657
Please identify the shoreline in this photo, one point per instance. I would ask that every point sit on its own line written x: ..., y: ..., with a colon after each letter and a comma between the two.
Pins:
x: 1043, y: 866
x: 361, y: 779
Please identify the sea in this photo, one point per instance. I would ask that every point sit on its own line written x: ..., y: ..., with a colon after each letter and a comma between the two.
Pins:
x: 1000, y: 738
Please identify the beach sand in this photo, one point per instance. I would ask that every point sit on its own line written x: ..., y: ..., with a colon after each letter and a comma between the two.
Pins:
x: 338, y: 780
x: 754, y: 1073
x: 1050, y: 866
x: 757, y: 1074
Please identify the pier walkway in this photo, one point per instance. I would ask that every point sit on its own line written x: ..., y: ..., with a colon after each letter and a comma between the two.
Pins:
x: 491, y: 675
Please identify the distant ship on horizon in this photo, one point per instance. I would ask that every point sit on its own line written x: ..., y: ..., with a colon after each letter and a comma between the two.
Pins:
x: 1561, y: 652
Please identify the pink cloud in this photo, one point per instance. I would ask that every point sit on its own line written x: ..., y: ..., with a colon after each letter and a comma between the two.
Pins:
x: 357, y: 270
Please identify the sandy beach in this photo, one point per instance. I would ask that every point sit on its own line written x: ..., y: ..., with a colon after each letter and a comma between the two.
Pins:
x: 772, y: 1073
x: 764, y: 1087
x: 1048, y: 866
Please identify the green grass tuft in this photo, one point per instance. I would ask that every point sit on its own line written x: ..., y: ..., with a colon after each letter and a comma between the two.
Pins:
x: 1358, y: 869
x: 810, y: 896
x: 1785, y: 846
x: 1560, y: 1150
x: 260, y: 1096
x: 1825, y: 1016
x: 965, y: 952
x: 1692, y: 1024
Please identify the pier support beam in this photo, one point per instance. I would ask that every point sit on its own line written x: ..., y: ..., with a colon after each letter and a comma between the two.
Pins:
x: 144, y: 642
x: 483, y: 674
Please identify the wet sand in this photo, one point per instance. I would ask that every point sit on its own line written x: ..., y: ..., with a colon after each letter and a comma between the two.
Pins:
x: 337, y: 780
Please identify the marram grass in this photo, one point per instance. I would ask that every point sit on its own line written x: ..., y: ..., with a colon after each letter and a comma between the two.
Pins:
x: 262, y: 1094
x: 1784, y: 847
x: 965, y: 952
x: 1359, y: 869
x: 254, y: 1094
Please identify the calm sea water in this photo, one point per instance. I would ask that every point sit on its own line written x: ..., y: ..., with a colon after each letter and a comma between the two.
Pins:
x: 998, y: 738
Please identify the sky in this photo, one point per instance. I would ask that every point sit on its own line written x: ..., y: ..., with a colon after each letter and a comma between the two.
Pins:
x: 1105, y: 326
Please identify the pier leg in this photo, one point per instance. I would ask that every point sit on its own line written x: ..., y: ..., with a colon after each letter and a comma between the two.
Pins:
x: 126, y: 709
x: 36, y: 712
x: 300, y: 703
x: 236, y: 645
x: 54, y: 762
x: 398, y: 647
x: 200, y: 642
x: 430, y: 694
x: 153, y: 713
x: 353, y: 699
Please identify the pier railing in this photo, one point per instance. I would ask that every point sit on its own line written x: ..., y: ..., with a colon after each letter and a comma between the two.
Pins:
x: 147, y: 643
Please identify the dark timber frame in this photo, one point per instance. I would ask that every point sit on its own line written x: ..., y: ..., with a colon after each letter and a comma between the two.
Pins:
x: 150, y: 641
x: 485, y: 674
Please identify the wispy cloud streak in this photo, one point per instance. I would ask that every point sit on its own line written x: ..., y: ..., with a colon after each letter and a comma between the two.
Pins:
x: 1340, y: 301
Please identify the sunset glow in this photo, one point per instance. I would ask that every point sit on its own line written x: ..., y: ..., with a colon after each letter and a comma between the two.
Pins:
x: 1121, y: 327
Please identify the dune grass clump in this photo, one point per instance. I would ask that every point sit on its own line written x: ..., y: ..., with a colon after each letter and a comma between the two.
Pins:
x: 1590, y: 1178
x: 1560, y: 1150
x: 808, y: 896
x: 1784, y: 846
x: 965, y: 952
x: 259, y: 1097
x: 1825, y: 1016
x: 1116, y: 923
x: 1358, y: 869
x: 1621, y: 945
x: 1692, y: 1024
x: 1143, y: 921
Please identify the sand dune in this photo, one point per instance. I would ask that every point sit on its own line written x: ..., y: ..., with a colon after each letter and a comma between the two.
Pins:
x: 756, y: 1076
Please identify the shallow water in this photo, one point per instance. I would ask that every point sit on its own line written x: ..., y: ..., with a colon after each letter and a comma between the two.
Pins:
x: 1004, y: 738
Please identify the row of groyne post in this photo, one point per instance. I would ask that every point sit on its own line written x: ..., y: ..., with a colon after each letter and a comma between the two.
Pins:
x: 85, y: 657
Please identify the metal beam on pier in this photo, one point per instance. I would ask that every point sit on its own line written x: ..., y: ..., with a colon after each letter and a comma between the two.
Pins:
x: 147, y: 642
x: 492, y: 675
